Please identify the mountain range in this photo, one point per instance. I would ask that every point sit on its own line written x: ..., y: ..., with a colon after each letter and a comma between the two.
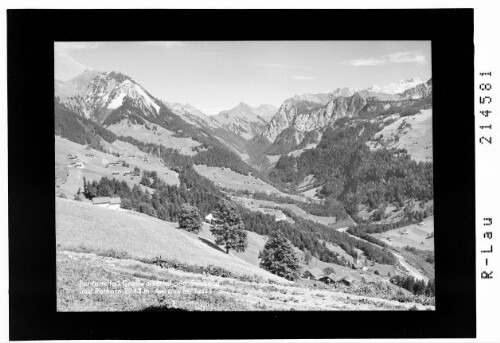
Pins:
x: 112, y: 98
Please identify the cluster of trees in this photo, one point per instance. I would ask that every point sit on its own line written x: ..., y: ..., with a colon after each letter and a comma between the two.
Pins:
x: 164, y: 204
x: 150, y: 179
x: 164, y: 201
x: 417, y: 287
x: 265, y: 224
x: 369, y: 228
x: 427, y: 255
x: 411, y: 107
x: 355, y: 231
x: 349, y: 244
x: 279, y: 256
x: 312, y: 236
x: 376, y: 108
x: 384, y: 176
x: 222, y: 157
x: 327, y: 208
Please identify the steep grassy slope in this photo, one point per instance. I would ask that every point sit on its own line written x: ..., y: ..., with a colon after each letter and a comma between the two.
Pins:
x: 102, y: 265
x: 225, y: 177
x: 413, y: 133
x: 150, y: 133
x: 414, y: 235
x: 139, y: 235
x: 97, y: 165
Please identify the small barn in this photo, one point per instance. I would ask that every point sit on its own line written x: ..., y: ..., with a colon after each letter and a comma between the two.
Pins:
x: 107, y: 202
x: 329, y: 279
x: 79, y: 165
x: 311, y: 274
x: 209, y: 217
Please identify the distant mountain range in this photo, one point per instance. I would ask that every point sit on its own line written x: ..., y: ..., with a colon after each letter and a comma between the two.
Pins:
x: 396, y: 87
x: 109, y: 98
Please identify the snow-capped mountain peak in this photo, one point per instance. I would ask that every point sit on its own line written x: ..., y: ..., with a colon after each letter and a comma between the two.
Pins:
x: 396, y: 87
x: 96, y: 94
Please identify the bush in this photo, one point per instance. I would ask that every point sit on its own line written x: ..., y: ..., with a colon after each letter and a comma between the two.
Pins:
x: 190, y: 219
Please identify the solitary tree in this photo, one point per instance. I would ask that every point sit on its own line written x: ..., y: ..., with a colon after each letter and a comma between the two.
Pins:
x: 190, y: 219
x: 280, y: 257
x: 228, y: 227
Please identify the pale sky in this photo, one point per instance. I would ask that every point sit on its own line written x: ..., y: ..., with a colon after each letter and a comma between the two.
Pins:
x: 215, y: 76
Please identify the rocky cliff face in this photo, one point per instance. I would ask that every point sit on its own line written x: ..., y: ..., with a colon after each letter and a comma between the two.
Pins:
x: 302, y: 115
x: 295, y: 120
x: 289, y: 110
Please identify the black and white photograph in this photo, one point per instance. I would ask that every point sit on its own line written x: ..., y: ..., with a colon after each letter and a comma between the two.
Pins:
x: 244, y: 176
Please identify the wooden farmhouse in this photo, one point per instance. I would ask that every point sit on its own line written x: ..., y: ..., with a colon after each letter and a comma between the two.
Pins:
x: 311, y: 273
x: 107, y: 202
